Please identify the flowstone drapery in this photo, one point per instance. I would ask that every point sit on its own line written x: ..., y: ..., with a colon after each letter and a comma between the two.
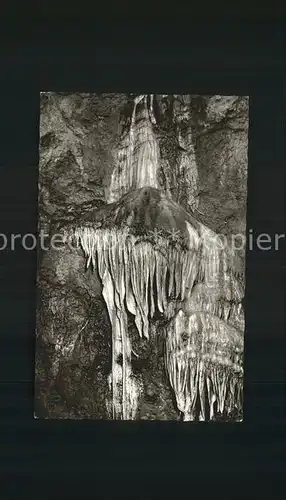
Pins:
x: 138, y: 156
x: 155, y: 259
x: 147, y: 270
x: 204, y: 362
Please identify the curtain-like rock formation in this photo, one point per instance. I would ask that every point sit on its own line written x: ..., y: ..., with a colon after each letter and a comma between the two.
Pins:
x: 138, y: 157
x: 159, y: 266
x: 149, y: 253
x: 204, y: 357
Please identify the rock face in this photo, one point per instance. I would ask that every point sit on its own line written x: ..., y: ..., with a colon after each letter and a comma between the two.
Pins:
x: 94, y: 149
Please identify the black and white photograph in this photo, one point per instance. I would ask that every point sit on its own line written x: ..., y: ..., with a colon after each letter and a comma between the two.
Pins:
x: 141, y: 258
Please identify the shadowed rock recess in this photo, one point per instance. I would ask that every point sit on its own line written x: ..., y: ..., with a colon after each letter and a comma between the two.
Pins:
x: 139, y: 307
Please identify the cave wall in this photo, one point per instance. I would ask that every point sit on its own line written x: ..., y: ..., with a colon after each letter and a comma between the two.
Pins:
x: 203, y: 165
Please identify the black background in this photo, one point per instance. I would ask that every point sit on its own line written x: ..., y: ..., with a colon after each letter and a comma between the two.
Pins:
x: 55, y: 459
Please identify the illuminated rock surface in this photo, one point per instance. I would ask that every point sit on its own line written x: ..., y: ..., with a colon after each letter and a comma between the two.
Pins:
x: 172, y: 295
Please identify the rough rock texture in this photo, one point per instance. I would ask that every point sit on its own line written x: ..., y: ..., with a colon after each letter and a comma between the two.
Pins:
x: 221, y: 140
x: 203, y: 166
x: 79, y: 138
x: 73, y: 339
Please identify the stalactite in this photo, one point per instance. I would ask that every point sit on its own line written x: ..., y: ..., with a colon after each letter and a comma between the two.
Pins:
x: 204, y: 361
x: 199, y: 275
x: 127, y: 266
x: 214, y: 301
x: 181, y: 265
